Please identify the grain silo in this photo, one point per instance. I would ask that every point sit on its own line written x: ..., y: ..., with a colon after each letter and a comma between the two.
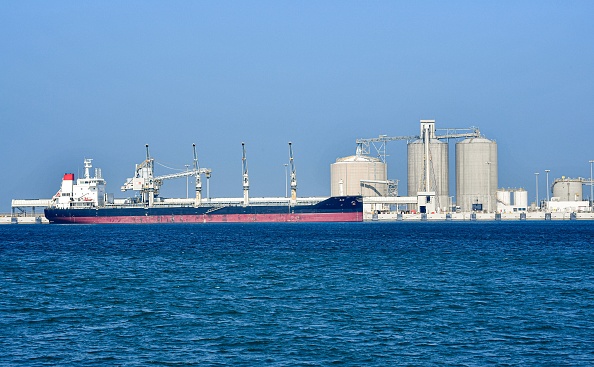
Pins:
x: 438, y: 167
x: 437, y: 170
x: 568, y: 189
x: 358, y: 175
x: 476, y: 174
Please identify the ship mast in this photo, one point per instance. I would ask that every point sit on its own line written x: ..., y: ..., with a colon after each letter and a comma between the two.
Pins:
x: 293, y: 176
x: 147, y: 167
x: 198, y: 180
x: 246, y: 181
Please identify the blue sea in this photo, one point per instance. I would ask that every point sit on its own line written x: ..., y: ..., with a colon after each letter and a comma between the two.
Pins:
x: 341, y: 294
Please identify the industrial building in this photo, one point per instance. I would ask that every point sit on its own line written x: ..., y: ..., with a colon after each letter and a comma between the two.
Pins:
x: 568, y: 196
x: 476, y: 168
x: 428, y: 188
x: 512, y: 201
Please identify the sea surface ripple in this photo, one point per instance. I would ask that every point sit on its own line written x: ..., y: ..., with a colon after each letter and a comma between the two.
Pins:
x: 352, y: 294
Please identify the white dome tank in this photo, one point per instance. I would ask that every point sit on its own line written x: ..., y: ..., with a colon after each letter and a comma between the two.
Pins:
x: 438, y: 170
x: 568, y: 189
x: 476, y: 173
x: 346, y: 175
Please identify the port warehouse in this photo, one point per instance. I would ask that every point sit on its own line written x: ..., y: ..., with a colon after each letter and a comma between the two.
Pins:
x: 428, y: 193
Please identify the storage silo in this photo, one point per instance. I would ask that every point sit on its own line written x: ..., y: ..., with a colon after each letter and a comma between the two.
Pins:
x: 568, y: 189
x: 521, y: 199
x: 476, y: 174
x: 504, y: 197
x: 438, y: 170
x: 358, y: 175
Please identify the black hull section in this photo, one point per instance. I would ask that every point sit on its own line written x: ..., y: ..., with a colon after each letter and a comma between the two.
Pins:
x: 333, y: 209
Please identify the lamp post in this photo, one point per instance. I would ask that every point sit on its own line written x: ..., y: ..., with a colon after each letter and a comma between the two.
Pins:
x: 547, y: 171
x: 286, y: 180
x: 489, y: 186
x: 536, y: 174
x: 591, y: 184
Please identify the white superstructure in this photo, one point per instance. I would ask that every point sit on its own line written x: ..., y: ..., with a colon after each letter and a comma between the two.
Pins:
x: 87, y: 192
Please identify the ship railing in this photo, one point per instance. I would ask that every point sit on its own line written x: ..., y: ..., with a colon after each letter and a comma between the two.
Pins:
x: 225, y: 202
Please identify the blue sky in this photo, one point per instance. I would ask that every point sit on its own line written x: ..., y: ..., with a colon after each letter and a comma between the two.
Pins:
x: 101, y: 79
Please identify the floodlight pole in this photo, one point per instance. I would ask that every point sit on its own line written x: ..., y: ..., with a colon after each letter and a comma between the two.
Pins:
x: 536, y: 174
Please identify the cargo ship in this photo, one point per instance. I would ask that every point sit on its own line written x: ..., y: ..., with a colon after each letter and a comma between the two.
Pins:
x: 86, y: 201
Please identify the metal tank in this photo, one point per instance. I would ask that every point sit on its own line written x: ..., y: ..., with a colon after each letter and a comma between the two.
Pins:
x: 476, y: 174
x: 521, y: 199
x: 568, y: 189
x: 438, y: 170
x: 504, y: 197
x: 358, y: 175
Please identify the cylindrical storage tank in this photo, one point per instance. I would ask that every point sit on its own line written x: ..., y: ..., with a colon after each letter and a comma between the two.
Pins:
x: 438, y: 170
x: 568, y: 189
x: 521, y: 199
x: 476, y: 173
x: 358, y: 175
x: 504, y: 197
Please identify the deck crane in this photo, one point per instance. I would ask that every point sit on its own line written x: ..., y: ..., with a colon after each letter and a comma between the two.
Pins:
x: 246, y: 181
x: 197, y: 172
x: 149, y: 185
x: 293, y: 176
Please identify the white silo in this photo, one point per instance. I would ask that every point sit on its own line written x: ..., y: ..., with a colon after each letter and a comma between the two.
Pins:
x: 476, y: 173
x: 568, y: 189
x: 521, y: 199
x: 504, y: 197
x: 358, y: 175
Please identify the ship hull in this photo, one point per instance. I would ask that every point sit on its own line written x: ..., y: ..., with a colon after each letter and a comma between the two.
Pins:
x: 334, y: 209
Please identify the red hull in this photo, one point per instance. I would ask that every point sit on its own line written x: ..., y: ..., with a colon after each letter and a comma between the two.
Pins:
x: 226, y: 218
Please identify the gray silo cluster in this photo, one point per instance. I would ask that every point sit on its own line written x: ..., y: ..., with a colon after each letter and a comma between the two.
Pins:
x: 476, y: 169
x: 428, y: 170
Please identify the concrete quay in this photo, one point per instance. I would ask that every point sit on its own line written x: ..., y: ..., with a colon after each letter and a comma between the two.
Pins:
x: 8, y: 219
x: 477, y: 216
